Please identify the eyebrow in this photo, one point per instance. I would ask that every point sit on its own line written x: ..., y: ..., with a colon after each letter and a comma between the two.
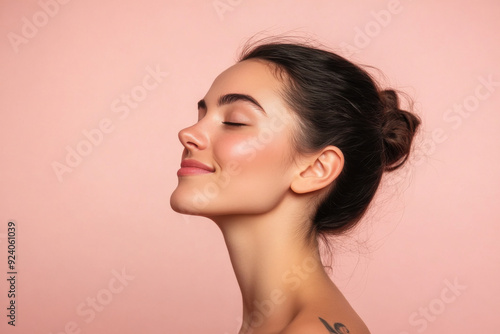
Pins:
x: 231, y: 98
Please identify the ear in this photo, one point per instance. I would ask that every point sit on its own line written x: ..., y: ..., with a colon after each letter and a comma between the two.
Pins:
x: 318, y: 171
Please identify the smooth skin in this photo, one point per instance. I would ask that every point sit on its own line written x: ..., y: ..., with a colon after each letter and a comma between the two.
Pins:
x: 261, y: 195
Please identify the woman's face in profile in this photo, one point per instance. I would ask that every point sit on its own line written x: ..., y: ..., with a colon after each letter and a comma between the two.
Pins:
x: 243, y: 135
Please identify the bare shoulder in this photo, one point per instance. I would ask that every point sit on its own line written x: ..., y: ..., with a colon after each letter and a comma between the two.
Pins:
x: 310, y: 324
x: 325, y: 310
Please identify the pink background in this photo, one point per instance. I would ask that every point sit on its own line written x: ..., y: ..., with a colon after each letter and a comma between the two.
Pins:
x: 434, y: 225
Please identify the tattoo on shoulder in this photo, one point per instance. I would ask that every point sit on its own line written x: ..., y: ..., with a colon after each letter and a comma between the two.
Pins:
x: 337, y: 328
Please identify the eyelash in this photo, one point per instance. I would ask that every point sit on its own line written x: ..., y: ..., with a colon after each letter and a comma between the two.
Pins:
x: 233, y: 124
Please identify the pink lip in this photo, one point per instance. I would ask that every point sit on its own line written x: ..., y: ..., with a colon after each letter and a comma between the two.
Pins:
x: 193, y: 167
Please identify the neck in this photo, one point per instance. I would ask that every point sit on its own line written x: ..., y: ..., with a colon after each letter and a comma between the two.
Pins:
x: 272, y: 262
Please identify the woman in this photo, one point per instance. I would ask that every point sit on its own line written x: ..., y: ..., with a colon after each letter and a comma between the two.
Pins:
x: 290, y: 145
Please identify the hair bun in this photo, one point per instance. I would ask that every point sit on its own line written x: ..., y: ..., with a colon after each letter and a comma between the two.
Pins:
x: 398, y: 129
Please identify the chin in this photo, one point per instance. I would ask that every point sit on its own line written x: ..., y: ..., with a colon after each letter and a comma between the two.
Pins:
x: 184, y: 205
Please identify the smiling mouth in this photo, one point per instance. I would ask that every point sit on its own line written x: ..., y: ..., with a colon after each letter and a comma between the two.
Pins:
x: 184, y: 171
x: 193, y: 167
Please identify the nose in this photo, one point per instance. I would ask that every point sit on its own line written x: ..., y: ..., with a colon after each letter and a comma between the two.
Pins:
x: 193, y: 137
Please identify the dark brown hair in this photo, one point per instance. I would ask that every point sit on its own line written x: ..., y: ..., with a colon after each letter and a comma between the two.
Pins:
x: 338, y: 103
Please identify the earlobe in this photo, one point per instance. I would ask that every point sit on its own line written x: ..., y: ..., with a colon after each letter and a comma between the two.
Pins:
x: 319, y: 170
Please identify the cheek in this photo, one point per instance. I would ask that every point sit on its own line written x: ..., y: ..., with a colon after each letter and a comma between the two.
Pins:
x: 256, y: 157
x: 234, y: 149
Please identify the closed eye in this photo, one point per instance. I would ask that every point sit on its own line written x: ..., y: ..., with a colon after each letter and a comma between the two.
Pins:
x: 233, y: 124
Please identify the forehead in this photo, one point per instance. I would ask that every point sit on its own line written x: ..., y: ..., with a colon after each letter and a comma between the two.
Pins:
x: 253, y: 77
